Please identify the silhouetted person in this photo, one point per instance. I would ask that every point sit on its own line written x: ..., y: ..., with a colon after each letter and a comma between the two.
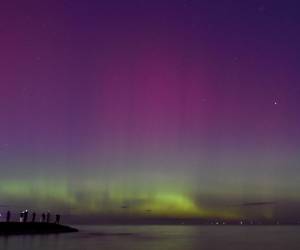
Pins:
x: 33, y: 217
x: 57, y: 218
x: 8, y: 216
x: 25, y: 216
x: 48, y: 217
x: 21, y: 217
x: 43, y: 217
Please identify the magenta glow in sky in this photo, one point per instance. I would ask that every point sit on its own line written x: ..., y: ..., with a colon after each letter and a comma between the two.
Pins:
x: 189, y: 102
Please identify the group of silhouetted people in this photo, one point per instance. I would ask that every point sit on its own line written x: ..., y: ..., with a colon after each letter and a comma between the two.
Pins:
x: 45, y: 218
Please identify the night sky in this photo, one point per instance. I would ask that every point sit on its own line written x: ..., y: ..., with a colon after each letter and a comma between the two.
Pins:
x: 182, y: 108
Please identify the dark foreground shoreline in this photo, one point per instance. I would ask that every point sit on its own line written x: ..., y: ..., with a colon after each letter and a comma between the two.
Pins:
x: 17, y: 228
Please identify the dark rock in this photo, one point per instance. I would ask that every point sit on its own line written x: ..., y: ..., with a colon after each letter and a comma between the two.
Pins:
x: 12, y: 228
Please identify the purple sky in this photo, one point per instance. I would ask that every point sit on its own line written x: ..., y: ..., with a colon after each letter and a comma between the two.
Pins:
x: 194, y: 100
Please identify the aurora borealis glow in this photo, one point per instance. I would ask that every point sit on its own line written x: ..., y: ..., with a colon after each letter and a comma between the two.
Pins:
x: 184, y: 108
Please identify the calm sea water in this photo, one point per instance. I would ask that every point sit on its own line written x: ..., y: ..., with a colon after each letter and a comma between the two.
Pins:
x: 162, y: 237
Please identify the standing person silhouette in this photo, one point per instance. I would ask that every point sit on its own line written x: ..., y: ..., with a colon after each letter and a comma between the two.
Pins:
x: 8, y: 216
x: 57, y: 218
x: 43, y: 217
x: 25, y: 216
x: 48, y: 217
x: 33, y: 217
x: 21, y: 216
